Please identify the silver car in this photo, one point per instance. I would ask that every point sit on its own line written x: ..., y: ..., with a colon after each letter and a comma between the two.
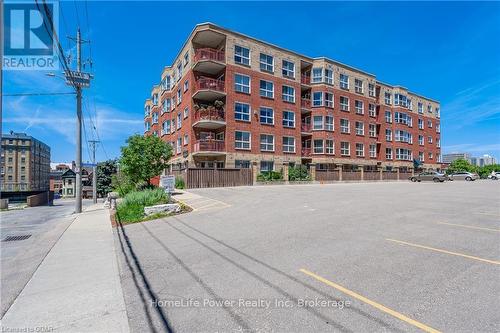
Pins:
x: 464, y: 175
x: 429, y: 176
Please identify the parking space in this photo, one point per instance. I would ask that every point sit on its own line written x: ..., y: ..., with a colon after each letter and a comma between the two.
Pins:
x: 395, y: 256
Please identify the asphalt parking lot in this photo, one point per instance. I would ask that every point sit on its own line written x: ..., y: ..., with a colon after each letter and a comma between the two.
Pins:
x: 358, y: 257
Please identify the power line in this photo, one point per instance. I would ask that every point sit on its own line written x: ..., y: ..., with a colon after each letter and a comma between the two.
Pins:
x: 40, y: 94
x: 77, y: 15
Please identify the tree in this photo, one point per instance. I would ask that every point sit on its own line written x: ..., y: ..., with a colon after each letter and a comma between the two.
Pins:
x: 144, y: 157
x: 461, y: 165
x: 484, y: 171
x: 105, y: 172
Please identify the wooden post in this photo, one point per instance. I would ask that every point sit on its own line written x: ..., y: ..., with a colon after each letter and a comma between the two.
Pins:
x: 312, y: 168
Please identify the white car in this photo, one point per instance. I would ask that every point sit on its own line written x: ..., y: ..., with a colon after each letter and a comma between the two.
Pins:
x: 494, y: 176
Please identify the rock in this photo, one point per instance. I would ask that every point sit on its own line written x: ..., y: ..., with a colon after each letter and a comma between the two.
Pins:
x: 165, y: 208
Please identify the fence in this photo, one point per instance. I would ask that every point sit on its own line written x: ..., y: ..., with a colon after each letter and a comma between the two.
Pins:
x: 371, y: 175
x: 351, y: 175
x: 201, y: 178
x: 327, y: 175
x: 389, y: 175
x: 404, y: 175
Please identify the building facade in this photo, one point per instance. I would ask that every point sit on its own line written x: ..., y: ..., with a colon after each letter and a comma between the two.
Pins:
x: 448, y: 158
x: 483, y: 160
x: 232, y: 101
x: 25, y: 163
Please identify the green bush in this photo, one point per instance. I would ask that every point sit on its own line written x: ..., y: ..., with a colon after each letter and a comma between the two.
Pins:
x: 179, y: 183
x: 270, y: 176
x: 297, y: 173
x: 131, y: 209
x: 121, y: 184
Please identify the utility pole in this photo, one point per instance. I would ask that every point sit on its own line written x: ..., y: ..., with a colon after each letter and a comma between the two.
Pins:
x: 79, y: 80
x: 94, y: 171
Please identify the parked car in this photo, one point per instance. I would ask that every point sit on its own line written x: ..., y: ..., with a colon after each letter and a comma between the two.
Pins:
x: 494, y: 175
x: 463, y: 175
x: 429, y: 176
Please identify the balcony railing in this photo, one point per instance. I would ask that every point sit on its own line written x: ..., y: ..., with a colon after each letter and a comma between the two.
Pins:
x: 209, y: 54
x: 305, y: 127
x: 209, y: 146
x: 305, y: 103
x: 306, y: 151
x: 209, y: 114
x: 305, y: 79
x: 206, y: 83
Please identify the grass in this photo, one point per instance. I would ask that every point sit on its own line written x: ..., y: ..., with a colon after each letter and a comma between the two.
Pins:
x: 131, y: 209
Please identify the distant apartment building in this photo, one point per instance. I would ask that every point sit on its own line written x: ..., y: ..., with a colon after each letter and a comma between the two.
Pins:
x: 25, y: 163
x: 232, y: 101
x: 483, y: 160
x: 448, y: 158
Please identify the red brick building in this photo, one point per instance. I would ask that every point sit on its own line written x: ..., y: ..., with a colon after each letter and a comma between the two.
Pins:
x: 229, y: 100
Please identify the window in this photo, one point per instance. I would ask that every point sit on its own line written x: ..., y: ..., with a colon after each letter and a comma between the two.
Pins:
x: 288, y: 119
x: 288, y: 69
x: 166, y: 127
x: 438, y: 128
x: 329, y: 76
x: 388, y: 117
x: 372, y: 130
x: 186, y: 85
x: 358, y: 105
x: 358, y: 86
x: 329, y: 123
x: 242, y: 140
x: 344, y: 81
x: 402, y: 136
x: 266, y: 89
x: 388, y: 135
x: 317, y: 75
x: 360, y: 150
x: 179, y: 70
x: 420, y: 124
x: 421, y: 156
x: 155, y: 117
x: 345, y: 149
x: 242, y: 164
x: 242, y: 83
x: 179, y: 121
x: 186, y: 59
x: 344, y: 103
x: 317, y: 98
x: 329, y: 100
x: 241, y: 55
x: 288, y: 94
x: 429, y: 123
x: 329, y: 147
x: 186, y: 139
x: 430, y: 156
x: 179, y: 96
x: 429, y: 139
x: 155, y: 99
x: 186, y: 112
x: 403, y: 154
x: 344, y: 126
x: 402, y: 118
x: 373, y: 151
x: 266, y: 142
x: 438, y: 114
x: 420, y: 107
x: 429, y: 108
x: 147, y: 126
x: 179, y: 145
x: 371, y: 110
x: 147, y: 111
x: 288, y: 144
x: 400, y: 100
x: 241, y: 111
x: 266, y: 116
x: 360, y: 128
x: 387, y: 98
x: 317, y: 122
x: 318, y: 146
x: 371, y: 90
x: 266, y: 63
x: 421, y: 140
x: 168, y: 104
x: 388, y: 153
x: 266, y: 166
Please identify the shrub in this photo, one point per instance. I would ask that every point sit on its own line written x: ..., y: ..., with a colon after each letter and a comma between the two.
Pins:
x: 131, y: 209
x: 179, y: 183
x: 270, y: 176
x: 298, y: 172
x: 121, y: 184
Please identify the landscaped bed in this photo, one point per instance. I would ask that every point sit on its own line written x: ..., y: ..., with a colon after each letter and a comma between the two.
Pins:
x: 131, y: 208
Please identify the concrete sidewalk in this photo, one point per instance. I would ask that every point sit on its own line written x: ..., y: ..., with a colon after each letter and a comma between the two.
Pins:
x: 77, y: 286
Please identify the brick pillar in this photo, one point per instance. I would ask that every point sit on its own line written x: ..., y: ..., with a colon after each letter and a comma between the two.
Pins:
x: 362, y: 173
x: 255, y: 172
x: 285, y: 171
x: 381, y: 172
x: 397, y: 170
x: 312, y: 168
x: 339, y: 166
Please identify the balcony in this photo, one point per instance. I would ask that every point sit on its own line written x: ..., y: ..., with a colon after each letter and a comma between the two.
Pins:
x: 209, y: 89
x: 306, y: 152
x: 305, y: 104
x: 209, y: 118
x: 209, y: 148
x: 305, y: 129
x: 210, y: 61
x: 305, y: 79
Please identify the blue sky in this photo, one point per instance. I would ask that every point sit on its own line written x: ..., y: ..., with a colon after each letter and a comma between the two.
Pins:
x: 446, y: 51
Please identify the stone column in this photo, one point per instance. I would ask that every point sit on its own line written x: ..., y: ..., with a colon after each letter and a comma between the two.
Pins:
x: 312, y: 168
x: 254, y: 172
x: 362, y: 172
x: 339, y: 166
x: 381, y: 172
x: 285, y: 171
x: 413, y: 171
x: 397, y: 171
